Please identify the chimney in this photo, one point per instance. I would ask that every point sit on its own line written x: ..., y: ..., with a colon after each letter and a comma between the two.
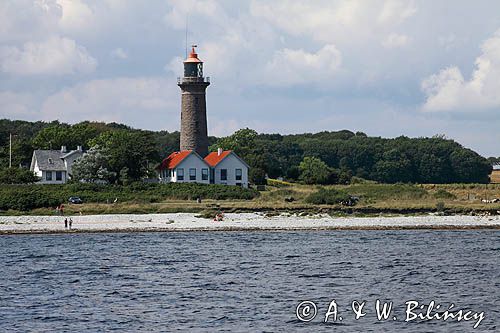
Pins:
x: 79, y: 148
x: 63, y: 149
x: 219, y: 151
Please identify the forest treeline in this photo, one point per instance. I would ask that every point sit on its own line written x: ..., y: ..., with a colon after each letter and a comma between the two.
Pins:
x: 324, y: 157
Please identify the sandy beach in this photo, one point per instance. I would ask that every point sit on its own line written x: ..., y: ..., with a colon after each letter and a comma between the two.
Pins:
x: 244, y: 221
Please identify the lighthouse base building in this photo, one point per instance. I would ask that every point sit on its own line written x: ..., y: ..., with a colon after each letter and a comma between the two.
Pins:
x: 221, y: 167
x: 193, y: 163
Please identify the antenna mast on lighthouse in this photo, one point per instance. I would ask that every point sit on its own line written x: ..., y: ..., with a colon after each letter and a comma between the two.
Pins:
x: 186, y: 40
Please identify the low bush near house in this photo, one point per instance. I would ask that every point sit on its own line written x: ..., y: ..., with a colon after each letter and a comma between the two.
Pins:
x: 327, y: 197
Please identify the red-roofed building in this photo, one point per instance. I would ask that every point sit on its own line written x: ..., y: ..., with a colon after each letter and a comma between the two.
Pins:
x: 227, y: 168
x: 220, y: 167
x: 184, y: 167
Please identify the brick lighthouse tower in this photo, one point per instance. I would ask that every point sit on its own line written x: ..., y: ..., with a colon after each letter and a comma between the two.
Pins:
x: 193, y: 106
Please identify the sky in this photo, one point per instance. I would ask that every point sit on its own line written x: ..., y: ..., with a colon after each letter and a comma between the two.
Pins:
x: 386, y: 68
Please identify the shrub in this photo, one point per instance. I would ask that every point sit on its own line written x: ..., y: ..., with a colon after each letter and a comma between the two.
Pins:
x: 327, y: 197
x: 26, y: 197
x: 278, y: 183
x: 443, y: 194
x: 257, y: 176
x: 17, y: 176
x: 359, y: 180
x: 386, y: 191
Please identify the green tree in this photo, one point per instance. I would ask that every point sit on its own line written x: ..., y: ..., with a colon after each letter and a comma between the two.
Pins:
x: 494, y: 160
x: 53, y: 137
x: 469, y: 167
x: 93, y: 166
x: 257, y: 176
x: 313, y: 170
x: 133, y: 150
x: 17, y: 176
x: 241, y: 142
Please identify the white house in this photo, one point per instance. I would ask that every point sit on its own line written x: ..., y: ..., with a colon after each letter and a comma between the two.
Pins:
x: 54, y: 166
x: 221, y: 167
x: 227, y: 168
x: 184, y: 167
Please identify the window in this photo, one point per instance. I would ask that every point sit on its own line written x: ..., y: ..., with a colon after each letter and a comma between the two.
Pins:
x: 192, y: 174
x: 48, y: 175
x: 170, y: 172
x: 204, y: 174
x: 180, y: 174
x: 238, y: 174
x: 223, y: 174
x: 58, y: 175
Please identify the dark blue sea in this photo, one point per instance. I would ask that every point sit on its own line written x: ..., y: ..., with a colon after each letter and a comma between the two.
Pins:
x: 246, y: 281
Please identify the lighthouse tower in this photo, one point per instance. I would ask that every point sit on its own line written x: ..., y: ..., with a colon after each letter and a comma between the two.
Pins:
x: 193, y: 106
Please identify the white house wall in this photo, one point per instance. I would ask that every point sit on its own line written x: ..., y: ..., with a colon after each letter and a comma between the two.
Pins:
x: 231, y: 163
x: 44, y: 180
x: 68, y: 161
x: 191, y: 161
x: 36, y: 170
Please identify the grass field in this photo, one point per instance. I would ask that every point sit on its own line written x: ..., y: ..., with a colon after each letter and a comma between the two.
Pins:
x: 495, y: 177
x: 373, y: 199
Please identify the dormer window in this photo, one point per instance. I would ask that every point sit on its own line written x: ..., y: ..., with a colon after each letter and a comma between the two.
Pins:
x: 51, y: 161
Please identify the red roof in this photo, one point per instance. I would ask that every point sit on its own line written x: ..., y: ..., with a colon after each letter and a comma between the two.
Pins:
x: 193, y: 56
x: 214, y: 158
x: 174, y: 159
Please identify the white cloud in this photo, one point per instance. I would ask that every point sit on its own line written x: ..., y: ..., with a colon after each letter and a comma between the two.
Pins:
x: 119, y: 53
x: 396, y: 11
x: 395, y: 40
x: 188, y: 9
x: 22, y: 20
x: 449, y: 90
x: 290, y: 67
x: 54, y: 56
x: 350, y: 21
x: 17, y: 105
x: 137, y: 100
x: 76, y: 15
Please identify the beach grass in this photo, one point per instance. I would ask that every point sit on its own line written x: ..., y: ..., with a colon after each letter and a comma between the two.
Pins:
x: 373, y: 199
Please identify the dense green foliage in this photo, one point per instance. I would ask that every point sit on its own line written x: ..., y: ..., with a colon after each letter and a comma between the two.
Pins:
x: 494, y: 160
x: 93, y: 166
x: 314, y: 171
x: 26, y: 197
x: 327, y: 197
x: 128, y: 153
x: 17, y: 176
x: 417, y: 160
x: 134, y: 153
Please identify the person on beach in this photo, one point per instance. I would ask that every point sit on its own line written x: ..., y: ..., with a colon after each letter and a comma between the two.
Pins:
x: 66, y: 223
x: 70, y: 223
x: 219, y: 217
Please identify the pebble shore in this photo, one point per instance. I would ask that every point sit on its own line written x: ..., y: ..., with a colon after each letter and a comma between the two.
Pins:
x: 240, y: 221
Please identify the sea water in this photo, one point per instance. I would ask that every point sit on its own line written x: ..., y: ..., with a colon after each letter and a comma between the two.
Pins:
x: 249, y: 281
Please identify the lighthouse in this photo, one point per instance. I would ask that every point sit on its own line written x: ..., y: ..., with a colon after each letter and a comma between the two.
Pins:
x: 193, y: 85
x: 193, y: 163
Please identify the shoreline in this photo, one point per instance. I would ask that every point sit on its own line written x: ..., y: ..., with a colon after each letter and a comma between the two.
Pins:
x: 189, y: 222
